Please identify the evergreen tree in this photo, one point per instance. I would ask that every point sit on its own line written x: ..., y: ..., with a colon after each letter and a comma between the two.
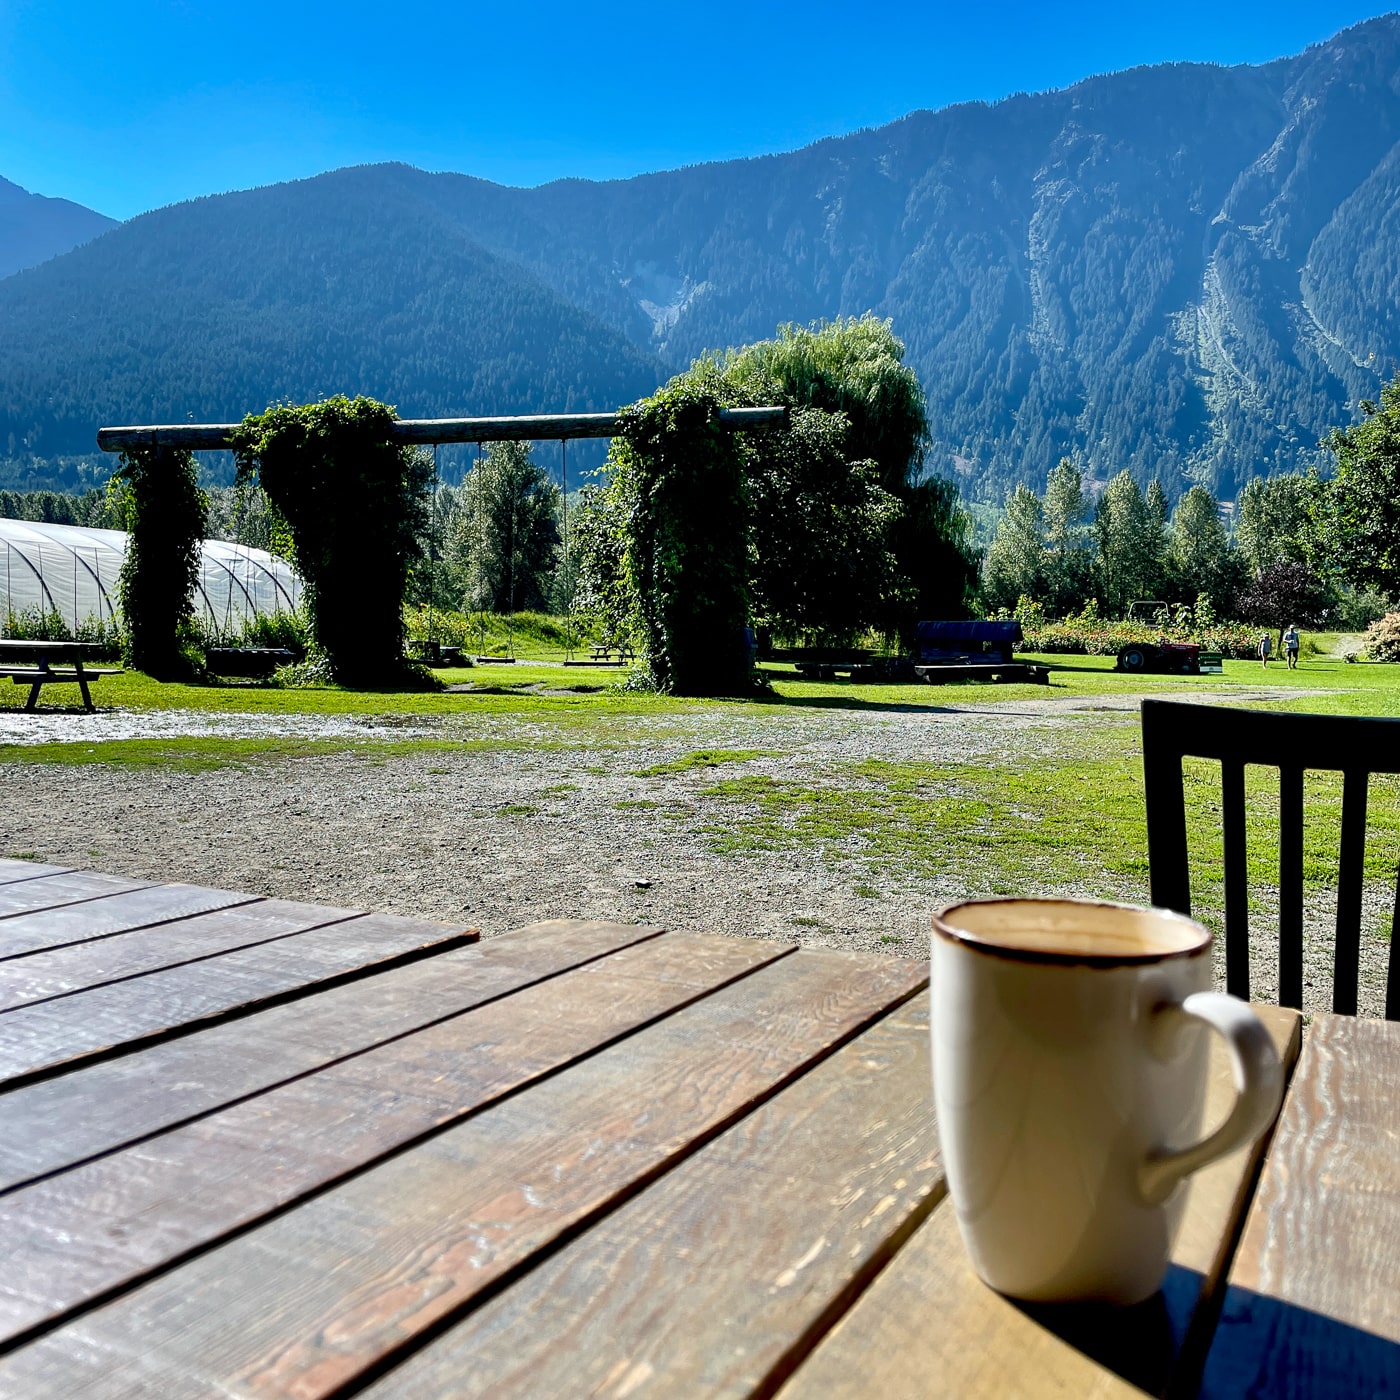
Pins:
x: 1015, y: 561
x: 503, y: 540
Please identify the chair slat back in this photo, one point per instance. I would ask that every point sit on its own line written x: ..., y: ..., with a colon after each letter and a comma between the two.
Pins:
x: 1290, y: 869
x: 1236, y: 877
x: 1292, y: 743
x: 1350, y: 873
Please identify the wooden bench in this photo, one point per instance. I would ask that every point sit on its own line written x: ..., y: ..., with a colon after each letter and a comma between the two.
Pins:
x: 36, y: 677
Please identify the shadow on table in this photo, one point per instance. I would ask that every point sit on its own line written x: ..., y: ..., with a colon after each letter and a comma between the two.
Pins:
x: 1260, y: 1347
x: 1143, y: 1344
x: 1266, y: 1347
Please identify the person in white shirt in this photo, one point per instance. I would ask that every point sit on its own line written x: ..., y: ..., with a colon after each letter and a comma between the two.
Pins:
x: 1290, y: 646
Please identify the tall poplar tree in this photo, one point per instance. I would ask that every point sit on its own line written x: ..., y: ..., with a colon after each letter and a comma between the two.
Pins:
x: 1271, y: 520
x: 1015, y: 560
x: 1067, y: 568
x: 1128, y: 535
x: 1200, y: 558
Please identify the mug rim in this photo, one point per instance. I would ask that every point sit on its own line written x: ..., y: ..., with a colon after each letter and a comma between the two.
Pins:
x: 945, y: 929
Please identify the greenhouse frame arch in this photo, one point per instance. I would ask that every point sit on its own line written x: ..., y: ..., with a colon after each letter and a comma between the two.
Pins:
x: 72, y: 570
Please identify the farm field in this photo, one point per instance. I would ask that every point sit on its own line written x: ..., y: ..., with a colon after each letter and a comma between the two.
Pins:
x: 834, y: 813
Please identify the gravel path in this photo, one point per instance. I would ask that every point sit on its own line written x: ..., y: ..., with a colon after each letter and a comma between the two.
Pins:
x: 495, y: 836
x: 534, y: 823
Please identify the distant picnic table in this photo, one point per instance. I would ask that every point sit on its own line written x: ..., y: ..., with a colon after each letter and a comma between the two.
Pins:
x: 255, y: 1147
x: 42, y: 672
x: 604, y: 652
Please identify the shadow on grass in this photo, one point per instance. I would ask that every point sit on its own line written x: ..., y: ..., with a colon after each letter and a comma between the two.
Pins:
x: 853, y: 702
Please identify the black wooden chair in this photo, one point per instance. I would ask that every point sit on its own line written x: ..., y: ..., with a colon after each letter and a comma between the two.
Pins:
x: 1293, y: 744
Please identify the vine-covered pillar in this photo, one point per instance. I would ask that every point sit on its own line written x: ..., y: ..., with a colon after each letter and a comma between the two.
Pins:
x: 354, y: 502
x: 687, y: 541
x: 166, y: 515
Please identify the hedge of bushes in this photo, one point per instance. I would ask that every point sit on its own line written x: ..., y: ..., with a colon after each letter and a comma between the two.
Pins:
x: 1088, y: 634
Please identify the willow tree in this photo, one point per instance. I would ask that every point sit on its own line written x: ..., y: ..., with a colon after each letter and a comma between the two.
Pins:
x: 854, y: 367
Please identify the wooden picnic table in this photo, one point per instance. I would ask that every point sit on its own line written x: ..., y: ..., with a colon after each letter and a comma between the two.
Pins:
x: 44, y: 654
x: 256, y: 1148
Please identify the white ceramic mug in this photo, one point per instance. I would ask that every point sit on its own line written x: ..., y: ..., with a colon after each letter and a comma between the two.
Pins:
x: 1070, y: 1049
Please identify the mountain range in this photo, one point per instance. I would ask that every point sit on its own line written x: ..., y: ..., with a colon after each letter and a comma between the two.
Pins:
x: 1188, y: 270
x: 35, y: 228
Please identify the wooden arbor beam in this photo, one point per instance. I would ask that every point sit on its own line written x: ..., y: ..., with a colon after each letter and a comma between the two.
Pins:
x: 528, y: 427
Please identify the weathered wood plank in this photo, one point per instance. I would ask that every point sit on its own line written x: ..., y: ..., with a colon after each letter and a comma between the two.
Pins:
x: 95, y: 1228
x: 702, y: 1284
x: 57, y: 891
x: 12, y: 870
x: 307, y: 1301
x: 929, y: 1326
x: 21, y: 934
x: 57, y: 1122
x: 1313, y: 1304
x: 44, y: 1035
x: 61, y: 971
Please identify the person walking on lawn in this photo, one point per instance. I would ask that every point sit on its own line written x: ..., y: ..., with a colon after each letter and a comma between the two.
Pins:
x: 1290, y: 647
x: 1266, y: 646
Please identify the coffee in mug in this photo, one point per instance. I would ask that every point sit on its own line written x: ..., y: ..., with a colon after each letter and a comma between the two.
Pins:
x: 1070, y: 1054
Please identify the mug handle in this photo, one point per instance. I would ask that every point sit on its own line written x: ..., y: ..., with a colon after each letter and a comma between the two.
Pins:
x: 1258, y: 1086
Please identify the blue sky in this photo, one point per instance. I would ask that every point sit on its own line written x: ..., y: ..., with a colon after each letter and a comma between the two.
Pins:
x: 125, y: 105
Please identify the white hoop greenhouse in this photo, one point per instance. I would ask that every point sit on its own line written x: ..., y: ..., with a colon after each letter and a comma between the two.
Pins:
x: 72, y: 571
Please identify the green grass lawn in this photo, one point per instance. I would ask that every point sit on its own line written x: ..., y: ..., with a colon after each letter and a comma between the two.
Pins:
x: 495, y: 688
x: 526, y: 686
x: 1363, y: 688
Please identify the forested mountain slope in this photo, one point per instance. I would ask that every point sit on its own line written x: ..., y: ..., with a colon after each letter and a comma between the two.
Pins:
x: 34, y: 228
x: 208, y: 310
x: 1187, y: 270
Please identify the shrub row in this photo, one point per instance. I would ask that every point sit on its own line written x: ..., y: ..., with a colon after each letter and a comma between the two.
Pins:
x: 1106, y: 638
x: 1088, y: 634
